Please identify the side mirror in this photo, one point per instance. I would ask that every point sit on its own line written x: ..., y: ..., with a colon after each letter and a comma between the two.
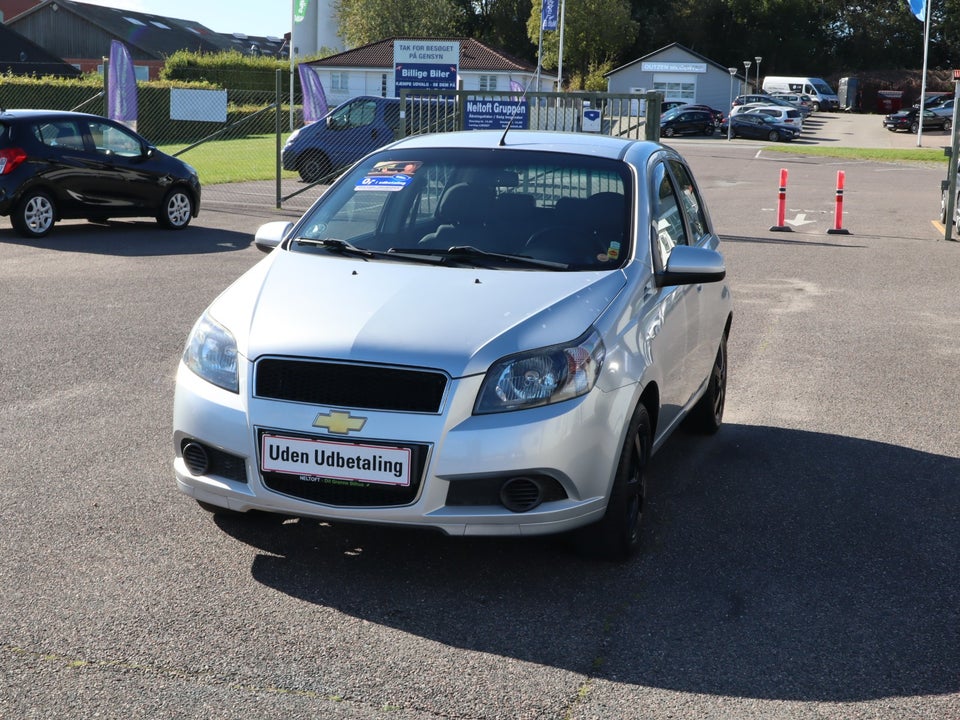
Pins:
x: 271, y: 234
x: 692, y: 265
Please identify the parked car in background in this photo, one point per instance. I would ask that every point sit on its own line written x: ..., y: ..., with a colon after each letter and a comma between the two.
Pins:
x: 747, y: 107
x: 681, y: 121
x: 823, y: 96
x: 908, y: 120
x: 786, y: 115
x: 759, y: 127
x: 944, y: 108
x: 668, y: 105
x: 717, y: 114
x: 802, y: 102
x: 58, y: 165
x: 528, y: 317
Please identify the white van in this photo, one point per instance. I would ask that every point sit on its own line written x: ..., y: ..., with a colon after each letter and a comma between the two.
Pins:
x: 823, y: 96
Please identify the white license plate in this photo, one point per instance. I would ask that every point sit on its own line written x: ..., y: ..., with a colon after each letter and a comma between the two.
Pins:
x: 380, y: 464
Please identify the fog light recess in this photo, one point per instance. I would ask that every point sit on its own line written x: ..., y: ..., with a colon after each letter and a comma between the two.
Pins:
x: 521, y: 494
x: 196, y: 458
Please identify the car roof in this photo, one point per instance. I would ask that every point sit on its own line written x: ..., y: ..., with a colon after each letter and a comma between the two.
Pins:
x: 531, y: 140
x: 29, y: 114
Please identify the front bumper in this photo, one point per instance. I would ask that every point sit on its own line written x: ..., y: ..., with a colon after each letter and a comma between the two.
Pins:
x: 569, y: 450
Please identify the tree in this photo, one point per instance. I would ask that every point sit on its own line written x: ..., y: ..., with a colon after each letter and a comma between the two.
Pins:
x: 594, y: 32
x: 366, y: 21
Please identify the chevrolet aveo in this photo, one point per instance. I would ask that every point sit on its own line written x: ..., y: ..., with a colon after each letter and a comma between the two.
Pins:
x: 483, y: 333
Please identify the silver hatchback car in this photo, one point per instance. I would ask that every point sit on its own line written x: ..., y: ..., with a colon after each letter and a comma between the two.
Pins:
x: 485, y: 333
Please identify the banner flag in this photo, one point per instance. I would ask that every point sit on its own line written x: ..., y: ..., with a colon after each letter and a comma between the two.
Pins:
x: 121, y: 86
x: 314, y: 99
x: 549, y: 12
x: 300, y: 10
x: 918, y: 8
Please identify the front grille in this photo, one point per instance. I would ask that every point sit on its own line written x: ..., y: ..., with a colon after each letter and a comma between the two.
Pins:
x: 370, y: 387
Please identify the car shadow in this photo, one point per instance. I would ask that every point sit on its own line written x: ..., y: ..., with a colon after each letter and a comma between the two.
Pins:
x: 777, y: 564
x: 133, y: 238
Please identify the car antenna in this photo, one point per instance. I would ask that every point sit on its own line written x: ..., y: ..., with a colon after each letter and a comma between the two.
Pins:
x: 520, y: 101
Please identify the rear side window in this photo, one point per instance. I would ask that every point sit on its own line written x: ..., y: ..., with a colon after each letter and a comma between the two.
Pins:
x: 793, y: 113
x: 4, y: 134
x: 60, y: 134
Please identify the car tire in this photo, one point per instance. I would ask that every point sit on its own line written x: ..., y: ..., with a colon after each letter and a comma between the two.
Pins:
x: 707, y: 415
x: 668, y: 132
x: 616, y: 536
x: 914, y: 127
x: 708, y: 130
x: 34, y: 215
x: 313, y: 166
x: 947, y: 125
x: 774, y: 136
x: 176, y: 210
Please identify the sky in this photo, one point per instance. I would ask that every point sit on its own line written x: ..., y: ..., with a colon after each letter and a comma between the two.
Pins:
x: 251, y: 17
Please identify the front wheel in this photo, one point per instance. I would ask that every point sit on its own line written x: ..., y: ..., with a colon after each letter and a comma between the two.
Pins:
x: 616, y: 536
x: 947, y: 125
x: 176, y: 211
x: 914, y: 127
x: 34, y: 216
x: 707, y: 415
x: 668, y: 132
x: 313, y: 166
x: 774, y: 136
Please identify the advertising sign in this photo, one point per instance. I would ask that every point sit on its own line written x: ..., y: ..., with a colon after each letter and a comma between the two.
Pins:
x: 426, y: 64
x: 496, y: 114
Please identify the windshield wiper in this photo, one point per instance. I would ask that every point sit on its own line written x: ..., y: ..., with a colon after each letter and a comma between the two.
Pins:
x: 469, y: 252
x: 337, y: 246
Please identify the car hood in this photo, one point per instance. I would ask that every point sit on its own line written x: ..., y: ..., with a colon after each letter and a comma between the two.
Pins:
x: 459, y: 320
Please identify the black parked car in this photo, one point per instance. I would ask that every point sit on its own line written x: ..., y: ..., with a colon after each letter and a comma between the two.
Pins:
x: 907, y: 120
x: 760, y: 127
x: 686, y: 122
x: 57, y: 165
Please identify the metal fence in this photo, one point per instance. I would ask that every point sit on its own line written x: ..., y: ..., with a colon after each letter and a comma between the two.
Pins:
x: 235, y: 137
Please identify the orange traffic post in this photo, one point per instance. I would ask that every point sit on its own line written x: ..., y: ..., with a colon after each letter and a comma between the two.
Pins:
x: 782, y: 205
x: 838, y: 228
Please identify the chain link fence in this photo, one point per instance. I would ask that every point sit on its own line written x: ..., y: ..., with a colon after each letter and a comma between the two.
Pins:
x: 252, y: 149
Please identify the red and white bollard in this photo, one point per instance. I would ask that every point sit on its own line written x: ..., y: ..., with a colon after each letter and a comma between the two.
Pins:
x: 838, y: 228
x: 782, y: 205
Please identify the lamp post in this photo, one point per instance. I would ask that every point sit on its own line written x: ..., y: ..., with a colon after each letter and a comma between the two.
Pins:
x: 732, y: 71
x: 746, y: 73
x: 758, y: 59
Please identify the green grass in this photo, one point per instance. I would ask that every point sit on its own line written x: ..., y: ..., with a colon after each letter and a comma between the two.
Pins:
x: 229, y: 161
x: 894, y: 155
x: 254, y: 157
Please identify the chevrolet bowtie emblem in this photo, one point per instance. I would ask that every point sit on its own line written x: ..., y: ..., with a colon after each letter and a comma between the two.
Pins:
x: 339, y: 423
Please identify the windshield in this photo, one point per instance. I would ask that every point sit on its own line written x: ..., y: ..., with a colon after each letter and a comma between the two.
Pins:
x: 492, y: 208
x: 822, y: 87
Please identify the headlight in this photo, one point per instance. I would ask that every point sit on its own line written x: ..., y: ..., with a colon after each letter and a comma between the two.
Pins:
x: 211, y: 353
x: 543, y: 376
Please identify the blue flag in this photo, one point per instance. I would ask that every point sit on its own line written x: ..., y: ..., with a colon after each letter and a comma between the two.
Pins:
x: 314, y: 99
x: 919, y: 9
x: 121, y: 86
x: 549, y: 11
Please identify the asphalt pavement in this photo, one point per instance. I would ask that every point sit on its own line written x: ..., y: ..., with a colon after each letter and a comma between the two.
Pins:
x: 803, y: 564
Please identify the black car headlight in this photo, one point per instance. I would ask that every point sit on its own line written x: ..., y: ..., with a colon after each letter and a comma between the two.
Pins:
x: 543, y: 376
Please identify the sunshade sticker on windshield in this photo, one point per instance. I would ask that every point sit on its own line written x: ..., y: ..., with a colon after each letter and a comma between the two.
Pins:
x: 390, y: 176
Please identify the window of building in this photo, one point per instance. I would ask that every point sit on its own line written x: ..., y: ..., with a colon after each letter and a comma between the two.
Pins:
x: 488, y: 82
x: 338, y: 81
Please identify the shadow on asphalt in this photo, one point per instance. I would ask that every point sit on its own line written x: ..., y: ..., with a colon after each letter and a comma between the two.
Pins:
x: 777, y: 564
x: 133, y: 238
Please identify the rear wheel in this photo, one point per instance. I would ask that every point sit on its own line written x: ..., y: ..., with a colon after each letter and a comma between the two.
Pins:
x: 34, y: 216
x: 617, y: 535
x: 708, y: 130
x: 914, y: 127
x: 668, y: 132
x: 947, y: 125
x: 176, y: 211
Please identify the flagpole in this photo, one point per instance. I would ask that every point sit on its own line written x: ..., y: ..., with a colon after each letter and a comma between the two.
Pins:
x: 290, y: 53
x: 923, y: 80
x: 563, y: 11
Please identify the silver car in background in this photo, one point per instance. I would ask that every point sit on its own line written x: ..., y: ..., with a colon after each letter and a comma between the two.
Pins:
x: 485, y: 333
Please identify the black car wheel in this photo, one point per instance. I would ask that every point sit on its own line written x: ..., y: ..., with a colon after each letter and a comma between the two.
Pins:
x: 914, y: 127
x: 774, y: 136
x: 707, y: 415
x: 313, y: 166
x: 708, y: 130
x: 947, y: 125
x: 617, y: 535
x: 668, y: 132
x: 34, y: 215
x: 176, y: 211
